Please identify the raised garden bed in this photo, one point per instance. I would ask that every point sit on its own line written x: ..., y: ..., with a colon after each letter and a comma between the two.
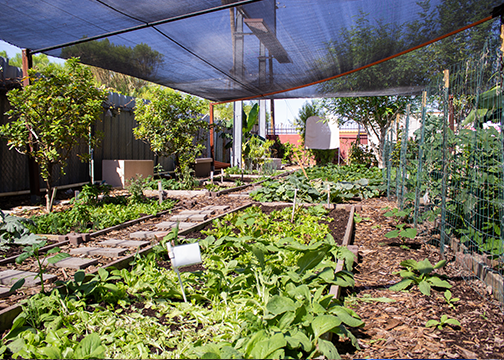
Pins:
x: 200, y: 321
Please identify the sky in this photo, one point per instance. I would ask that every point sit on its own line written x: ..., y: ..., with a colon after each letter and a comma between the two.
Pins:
x: 286, y: 110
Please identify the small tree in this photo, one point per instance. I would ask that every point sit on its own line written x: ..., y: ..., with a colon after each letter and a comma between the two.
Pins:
x: 170, y: 123
x: 53, y: 115
x: 376, y: 114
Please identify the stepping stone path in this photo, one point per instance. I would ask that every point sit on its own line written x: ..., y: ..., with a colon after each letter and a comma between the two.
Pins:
x: 106, y: 252
x: 9, y: 277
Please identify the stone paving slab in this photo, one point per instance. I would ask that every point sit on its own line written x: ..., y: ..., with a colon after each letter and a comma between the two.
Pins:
x: 75, y: 263
x: 239, y: 195
x: 171, y: 224
x: 4, y: 291
x: 189, y: 217
x: 194, y: 212
x: 9, y: 277
x: 106, y: 252
x: 216, y: 207
x: 144, y: 235
x: 125, y: 243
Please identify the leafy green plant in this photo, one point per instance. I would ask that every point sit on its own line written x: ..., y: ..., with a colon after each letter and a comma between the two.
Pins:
x: 449, y: 299
x: 43, y: 260
x: 420, y: 273
x: 14, y: 231
x: 358, y: 218
x: 135, y: 187
x: 443, y: 321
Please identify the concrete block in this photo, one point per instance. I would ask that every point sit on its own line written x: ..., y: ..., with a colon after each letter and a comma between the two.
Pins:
x: 105, y: 252
x: 198, y: 217
x: 75, y: 239
x: 141, y: 235
x: 179, y: 217
x: 9, y: 277
x: 125, y: 243
x: 171, y: 224
x: 4, y: 291
x: 216, y: 207
x: 75, y: 263
x: 197, y: 212
x: 118, y: 172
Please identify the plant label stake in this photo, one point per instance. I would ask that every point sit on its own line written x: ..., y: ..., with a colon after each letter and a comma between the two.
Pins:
x: 294, y: 205
x: 328, y: 194
x: 221, y: 175
x: 183, y: 255
x: 211, y: 177
x: 160, y: 192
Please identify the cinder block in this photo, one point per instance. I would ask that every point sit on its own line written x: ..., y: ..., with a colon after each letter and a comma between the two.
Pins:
x: 75, y: 263
x: 9, y: 277
x: 125, y: 243
x: 105, y: 252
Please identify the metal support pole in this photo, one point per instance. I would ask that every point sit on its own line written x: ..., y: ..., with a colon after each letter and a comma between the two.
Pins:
x: 404, y: 150
x: 33, y: 169
x: 237, y: 133
x: 420, y: 159
x: 272, y: 110
x: 238, y: 39
x: 262, y: 118
x: 444, y: 161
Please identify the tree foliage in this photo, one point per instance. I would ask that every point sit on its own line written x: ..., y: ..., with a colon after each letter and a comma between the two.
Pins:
x: 375, y: 114
x: 170, y: 123
x: 53, y: 114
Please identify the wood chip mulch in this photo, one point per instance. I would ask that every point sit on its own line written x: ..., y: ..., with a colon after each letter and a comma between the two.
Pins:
x: 396, y: 328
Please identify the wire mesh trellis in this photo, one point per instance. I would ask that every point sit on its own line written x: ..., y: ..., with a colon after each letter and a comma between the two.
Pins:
x: 450, y: 171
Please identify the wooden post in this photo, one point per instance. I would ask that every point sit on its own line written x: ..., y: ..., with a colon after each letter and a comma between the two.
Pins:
x: 33, y: 170
x: 212, y: 133
x: 272, y: 109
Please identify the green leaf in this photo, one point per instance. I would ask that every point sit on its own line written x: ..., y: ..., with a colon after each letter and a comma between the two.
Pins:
x: 57, y: 257
x: 392, y: 234
x: 345, y: 315
x: 299, y: 339
x: 286, y: 320
x: 440, y: 264
x: 268, y: 346
x: 424, y: 287
x: 50, y: 352
x: 79, y: 277
x: 437, y: 282
x: 280, y: 304
x: 328, y: 349
x: 431, y: 323
x: 90, y: 347
x: 17, y: 285
x: 311, y: 259
x: 323, y: 323
x: 409, y: 263
x: 424, y: 267
x: 401, y: 285
x: 259, y: 255
x: 210, y: 355
x: 103, y: 274
x: 410, y: 233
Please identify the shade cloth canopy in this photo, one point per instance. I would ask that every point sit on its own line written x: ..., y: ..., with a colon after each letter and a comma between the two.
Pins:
x: 231, y: 49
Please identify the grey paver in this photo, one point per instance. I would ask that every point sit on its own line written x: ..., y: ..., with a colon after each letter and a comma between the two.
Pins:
x: 179, y: 217
x: 75, y: 263
x: 198, y: 217
x: 216, y: 207
x: 125, y: 243
x: 106, y: 252
x: 239, y: 195
x: 4, y: 291
x: 9, y: 277
x: 141, y: 235
x: 171, y: 224
x: 195, y: 212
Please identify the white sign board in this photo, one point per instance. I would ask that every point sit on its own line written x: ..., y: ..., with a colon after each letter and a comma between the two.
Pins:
x: 321, y: 134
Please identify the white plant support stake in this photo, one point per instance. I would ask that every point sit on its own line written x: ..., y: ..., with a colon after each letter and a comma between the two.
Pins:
x: 294, y: 205
x: 211, y: 177
x: 160, y: 192
x: 328, y: 194
x: 221, y: 175
x: 181, y: 284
